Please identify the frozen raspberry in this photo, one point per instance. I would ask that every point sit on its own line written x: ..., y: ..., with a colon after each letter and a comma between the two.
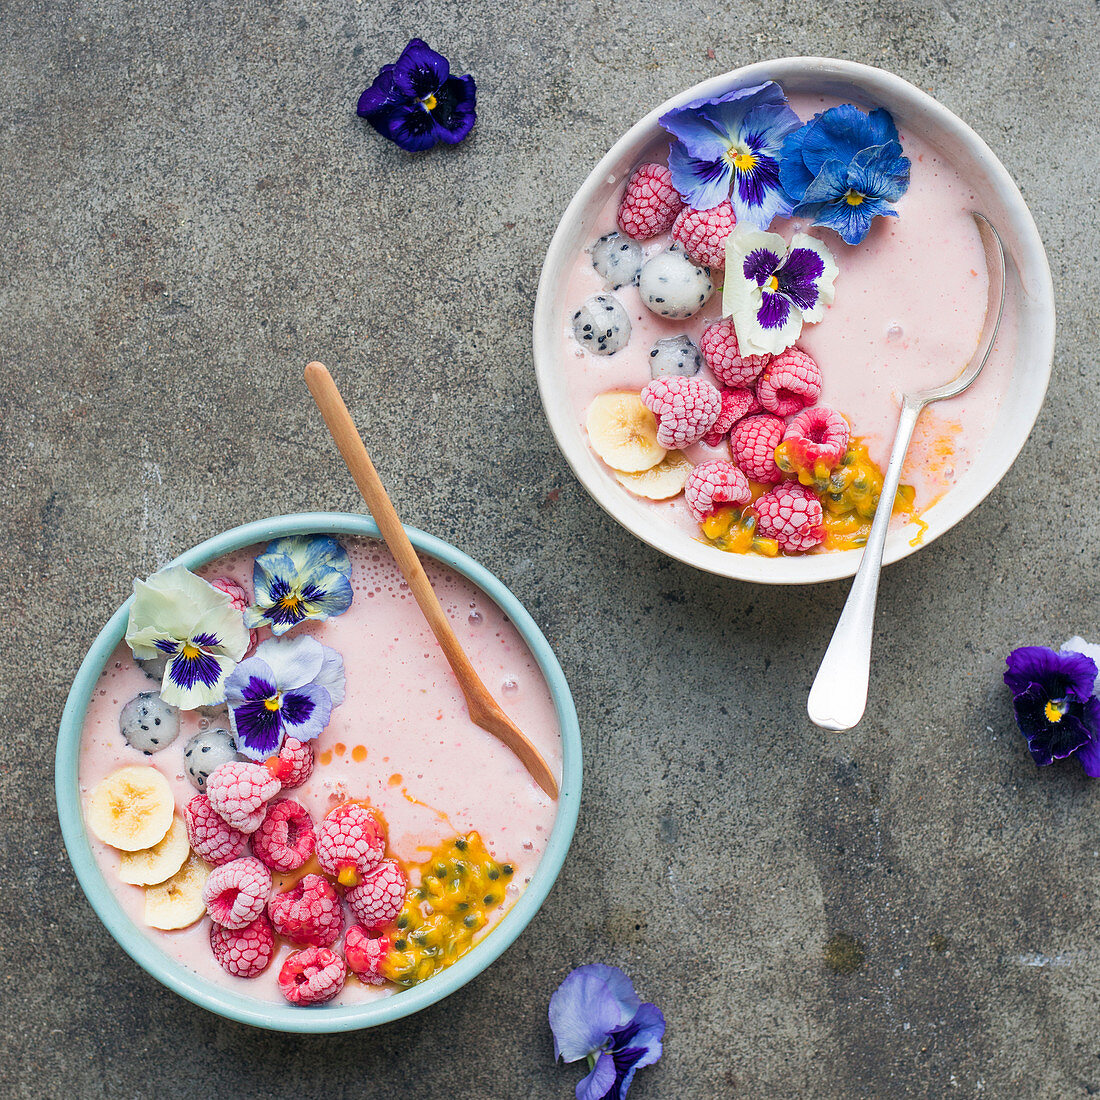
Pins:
x: 819, y: 434
x: 285, y: 839
x: 789, y: 383
x: 650, y: 204
x: 350, y: 842
x: 380, y: 896
x: 686, y: 409
x: 209, y: 836
x: 719, y: 347
x: 736, y: 405
x: 238, y: 792
x: 753, y: 442
x: 365, y: 953
x: 243, y: 952
x: 236, y: 893
x: 293, y: 765
x: 712, y: 484
x: 309, y: 913
x: 312, y: 976
x: 703, y: 233
x: 239, y: 599
x: 791, y: 515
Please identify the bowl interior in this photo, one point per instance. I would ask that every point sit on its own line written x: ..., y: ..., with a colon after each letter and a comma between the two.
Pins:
x: 1029, y: 311
x: 138, y: 944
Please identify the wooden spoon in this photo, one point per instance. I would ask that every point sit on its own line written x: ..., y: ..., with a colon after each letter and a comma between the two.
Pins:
x: 483, y: 708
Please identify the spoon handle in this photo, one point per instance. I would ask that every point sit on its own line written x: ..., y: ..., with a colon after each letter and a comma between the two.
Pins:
x: 484, y: 709
x: 838, y: 697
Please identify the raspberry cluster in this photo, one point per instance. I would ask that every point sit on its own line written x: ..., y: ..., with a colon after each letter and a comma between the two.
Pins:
x: 248, y: 910
x: 761, y: 392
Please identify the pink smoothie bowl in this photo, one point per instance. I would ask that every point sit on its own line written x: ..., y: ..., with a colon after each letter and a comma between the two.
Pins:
x: 1029, y: 309
x: 143, y: 949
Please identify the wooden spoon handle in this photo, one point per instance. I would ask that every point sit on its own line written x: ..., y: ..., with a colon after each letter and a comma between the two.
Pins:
x: 483, y: 708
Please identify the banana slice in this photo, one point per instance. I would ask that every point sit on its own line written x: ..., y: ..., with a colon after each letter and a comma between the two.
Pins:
x: 178, y: 902
x: 662, y: 481
x: 623, y: 432
x: 131, y: 809
x: 162, y: 861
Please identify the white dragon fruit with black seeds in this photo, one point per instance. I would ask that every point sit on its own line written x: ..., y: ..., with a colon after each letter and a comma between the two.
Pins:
x: 601, y: 325
x: 673, y: 285
x: 148, y: 723
x: 675, y: 355
x: 618, y: 260
x: 206, y: 751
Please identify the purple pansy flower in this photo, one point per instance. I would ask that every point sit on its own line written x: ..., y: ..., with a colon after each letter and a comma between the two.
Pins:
x: 1056, y: 710
x: 299, y: 577
x: 772, y: 289
x: 288, y: 687
x: 416, y: 102
x: 733, y: 142
x: 596, y: 1014
x: 844, y: 168
x: 193, y: 627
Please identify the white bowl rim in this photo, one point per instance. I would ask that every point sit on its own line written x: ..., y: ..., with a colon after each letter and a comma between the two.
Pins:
x: 954, y: 505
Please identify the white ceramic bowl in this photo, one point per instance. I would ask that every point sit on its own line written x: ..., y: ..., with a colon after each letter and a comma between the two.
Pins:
x: 1031, y: 297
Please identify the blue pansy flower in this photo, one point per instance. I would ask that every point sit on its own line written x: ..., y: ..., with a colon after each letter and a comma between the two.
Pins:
x: 1055, y: 706
x: 417, y: 102
x: 732, y: 142
x: 297, y: 578
x: 288, y: 687
x: 844, y: 168
x: 772, y: 288
x: 596, y: 1014
x: 194, y: 627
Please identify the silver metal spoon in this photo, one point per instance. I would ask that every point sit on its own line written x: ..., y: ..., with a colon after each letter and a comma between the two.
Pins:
x: 838, y: 697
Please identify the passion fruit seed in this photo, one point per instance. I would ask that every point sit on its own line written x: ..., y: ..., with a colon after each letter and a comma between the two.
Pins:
x: 440, y: 919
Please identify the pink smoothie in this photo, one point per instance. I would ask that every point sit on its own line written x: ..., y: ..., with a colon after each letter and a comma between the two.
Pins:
x: 910, y: 303
x: 402, y: 740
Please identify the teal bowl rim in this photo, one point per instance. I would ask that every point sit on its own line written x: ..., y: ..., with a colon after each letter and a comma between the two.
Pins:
x: 321, y: 1019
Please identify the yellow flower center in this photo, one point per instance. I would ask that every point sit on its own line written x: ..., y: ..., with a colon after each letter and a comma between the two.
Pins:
x: 429, y: 102
x: 190, y: 651
x: 853, y: 198
x: 291, y: 603
x: 772, y: 284
x: 274, y: 702
x: 1055, y: 711
x: 744, y: 160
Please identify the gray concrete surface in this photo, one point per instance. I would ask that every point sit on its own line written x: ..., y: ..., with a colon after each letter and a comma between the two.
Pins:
x: 191, y: 211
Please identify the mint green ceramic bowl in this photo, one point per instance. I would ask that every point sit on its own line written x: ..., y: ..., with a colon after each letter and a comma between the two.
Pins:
x: 279, y: 1017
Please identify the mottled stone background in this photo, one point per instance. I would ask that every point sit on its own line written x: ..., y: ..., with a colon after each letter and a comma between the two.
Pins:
x: 191, y: 211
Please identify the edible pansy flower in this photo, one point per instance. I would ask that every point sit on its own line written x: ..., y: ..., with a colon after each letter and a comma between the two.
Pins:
x: 417, y: 102
x: 595, y: 1014
x: 1056, y: 710
x: 297, y: 578
x: 732, y: 142
x: 772, y: 289
x: 844, y: 168
x: 288, y: 687
x: 194, y: 627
